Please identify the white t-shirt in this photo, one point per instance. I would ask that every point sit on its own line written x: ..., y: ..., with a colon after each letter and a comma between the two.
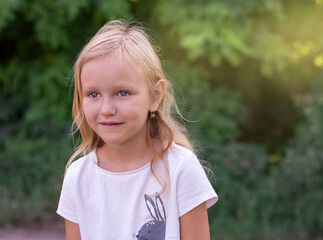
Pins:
x: 109, y: 205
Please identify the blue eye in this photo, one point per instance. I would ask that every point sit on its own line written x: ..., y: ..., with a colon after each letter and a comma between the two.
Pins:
x: 93, y: 95
x: 123, y: 93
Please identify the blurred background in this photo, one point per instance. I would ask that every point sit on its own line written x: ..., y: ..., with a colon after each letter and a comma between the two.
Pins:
x: 251, y: 80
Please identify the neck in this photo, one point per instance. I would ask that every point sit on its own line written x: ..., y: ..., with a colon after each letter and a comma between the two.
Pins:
x: 124, y: 157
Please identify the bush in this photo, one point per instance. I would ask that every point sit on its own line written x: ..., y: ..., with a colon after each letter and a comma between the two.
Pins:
x: 298, y: 198
x: 213, y: 113
x: 265, y: 196
x: 240, y: 171
x: 31, y: 173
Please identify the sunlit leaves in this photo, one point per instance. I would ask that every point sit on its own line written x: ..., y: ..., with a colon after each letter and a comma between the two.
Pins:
x: 233, y: 31
x: 318, y: 61
x: 318, y: 3
x: 206, y: 30
x: 225, y: 31
x: 272, y: 51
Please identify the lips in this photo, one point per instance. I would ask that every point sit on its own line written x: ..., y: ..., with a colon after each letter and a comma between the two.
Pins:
x: 111, y: 124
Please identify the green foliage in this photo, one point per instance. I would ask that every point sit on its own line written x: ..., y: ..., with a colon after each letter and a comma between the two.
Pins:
x: 226, y: 30
x: 299, y: 179
x: 260, y: 197
x: 240, y: 171
x: 31, y: 173
x: 250, y: 47
x: 235, y: 31
x: 36, y: 90
x: 213, y: 114
x: 7, y: 11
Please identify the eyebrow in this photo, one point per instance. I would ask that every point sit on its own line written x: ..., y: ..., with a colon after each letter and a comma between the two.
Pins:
x: 119, y: 85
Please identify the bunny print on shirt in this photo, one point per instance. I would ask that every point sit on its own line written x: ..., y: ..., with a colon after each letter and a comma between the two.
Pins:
x: 154, y: 229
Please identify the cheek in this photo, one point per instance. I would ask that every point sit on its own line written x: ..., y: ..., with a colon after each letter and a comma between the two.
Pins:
x: 135, y: 112
x: 90, y: 110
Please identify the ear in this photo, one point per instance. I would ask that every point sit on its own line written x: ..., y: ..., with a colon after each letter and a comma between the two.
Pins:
x: 162, y: 217
x: 151, y: 206
x: 158, y: 94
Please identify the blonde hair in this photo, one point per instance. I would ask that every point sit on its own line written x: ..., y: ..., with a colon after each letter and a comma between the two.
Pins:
x: 128, y: 41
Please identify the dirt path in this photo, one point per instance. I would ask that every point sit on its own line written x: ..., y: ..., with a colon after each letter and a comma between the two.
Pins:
x: 57, y: 233
x: 53, y: 232
x: 26, y: 234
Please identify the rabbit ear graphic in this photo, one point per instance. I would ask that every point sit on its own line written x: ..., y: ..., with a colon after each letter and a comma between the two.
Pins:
x: 151, y: 205
x: 159, y: 203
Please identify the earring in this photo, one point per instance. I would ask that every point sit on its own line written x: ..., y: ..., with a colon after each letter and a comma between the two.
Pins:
x: 152, y: 115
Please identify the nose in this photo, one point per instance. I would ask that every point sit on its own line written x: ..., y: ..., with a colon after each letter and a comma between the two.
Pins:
x: 108, y: 107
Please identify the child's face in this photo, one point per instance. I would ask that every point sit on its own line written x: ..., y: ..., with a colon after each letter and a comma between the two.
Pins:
x: 116, y: 100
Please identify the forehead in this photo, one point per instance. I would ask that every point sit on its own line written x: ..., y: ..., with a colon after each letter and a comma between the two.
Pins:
x: 114, y: 67
x: 117, y: 59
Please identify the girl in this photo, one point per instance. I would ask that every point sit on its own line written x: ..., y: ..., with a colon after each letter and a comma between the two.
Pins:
x: 138, y: 177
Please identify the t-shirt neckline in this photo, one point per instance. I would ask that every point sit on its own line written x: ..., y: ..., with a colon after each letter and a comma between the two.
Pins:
x: 94, y: 159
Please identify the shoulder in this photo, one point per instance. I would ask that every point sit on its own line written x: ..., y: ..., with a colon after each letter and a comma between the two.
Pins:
x: 189, y: 180
x: 181, y: 154
x: 81, y: 165
x: 179, y: 157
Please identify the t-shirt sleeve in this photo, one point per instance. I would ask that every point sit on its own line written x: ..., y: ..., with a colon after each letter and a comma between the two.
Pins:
x: 67, y: 205
x: 193, y: 187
